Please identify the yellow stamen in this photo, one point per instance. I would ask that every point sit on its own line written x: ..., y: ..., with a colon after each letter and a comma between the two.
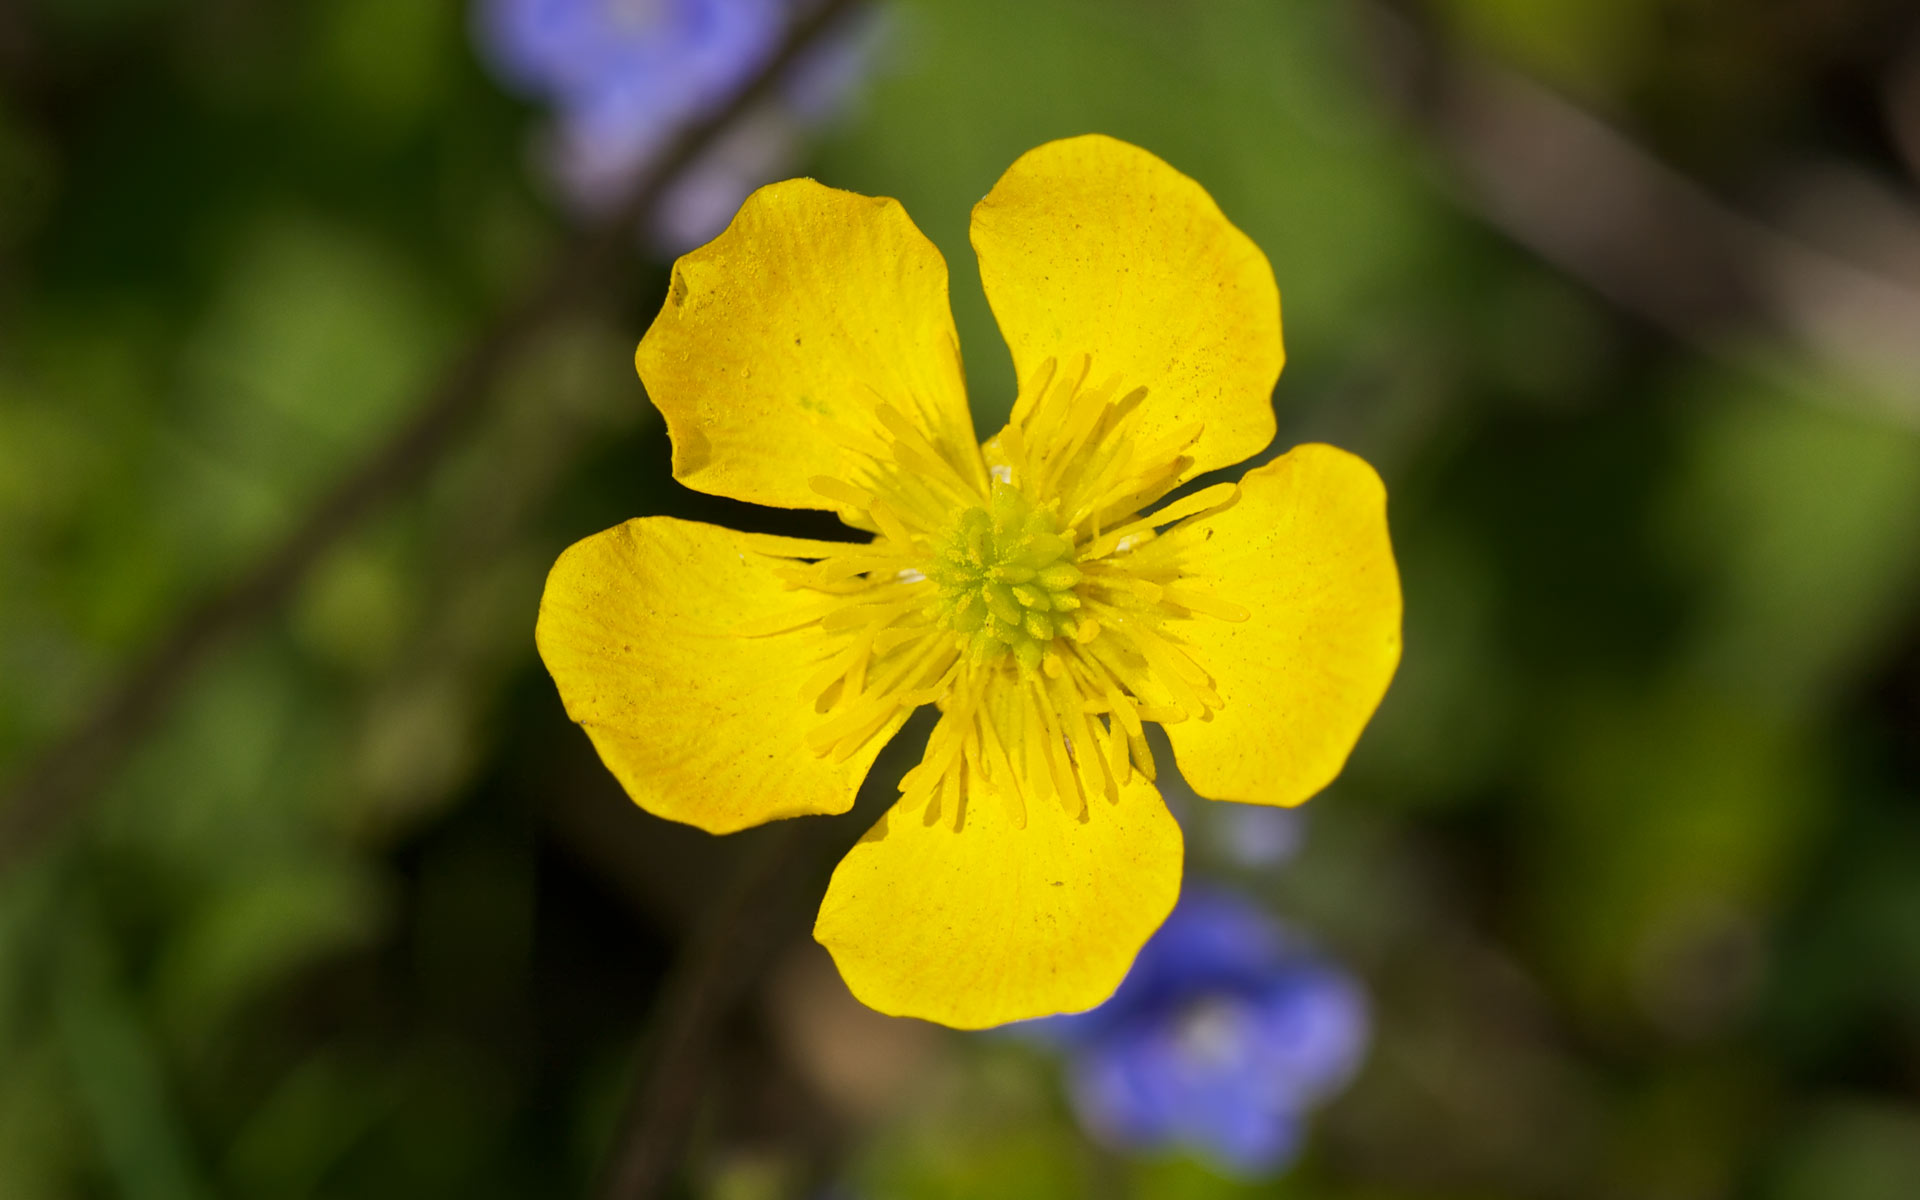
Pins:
x: 1017, y: 600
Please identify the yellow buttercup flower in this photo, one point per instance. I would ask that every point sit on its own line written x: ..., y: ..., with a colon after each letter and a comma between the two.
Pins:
x: 806, y: 358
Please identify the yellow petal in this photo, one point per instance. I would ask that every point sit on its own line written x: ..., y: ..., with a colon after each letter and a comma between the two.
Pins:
x: 640, y: 627
x: 1305, y: 552
x: 996, y: 923
x: 782, y: 340
x: 1090, y: 246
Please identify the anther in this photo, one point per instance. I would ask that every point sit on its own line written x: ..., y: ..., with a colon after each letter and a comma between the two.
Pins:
x: 1006, y: 579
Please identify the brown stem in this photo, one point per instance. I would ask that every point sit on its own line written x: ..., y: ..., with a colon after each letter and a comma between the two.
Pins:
x: 1592, y: 202
x: 733, y: 942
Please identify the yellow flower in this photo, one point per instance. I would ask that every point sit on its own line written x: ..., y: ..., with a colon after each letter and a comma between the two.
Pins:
x: 806, y: 358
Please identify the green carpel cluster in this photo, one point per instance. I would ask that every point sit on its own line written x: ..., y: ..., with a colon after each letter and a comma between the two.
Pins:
x: 1006, y: 579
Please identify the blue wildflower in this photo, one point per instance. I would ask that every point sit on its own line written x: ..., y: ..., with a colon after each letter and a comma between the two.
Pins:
x: 618, y: 60
x: 1222, y: 1037
x: 621, y: 77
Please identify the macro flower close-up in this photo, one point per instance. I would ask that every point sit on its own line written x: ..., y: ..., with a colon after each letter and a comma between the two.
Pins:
x: 1050, y: 591
x: 956, y: 599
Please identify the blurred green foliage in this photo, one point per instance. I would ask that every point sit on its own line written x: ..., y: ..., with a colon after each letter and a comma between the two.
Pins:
x: 1630, y: 859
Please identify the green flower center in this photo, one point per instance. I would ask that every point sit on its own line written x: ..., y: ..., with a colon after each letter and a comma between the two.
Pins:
x: 1006, y: 579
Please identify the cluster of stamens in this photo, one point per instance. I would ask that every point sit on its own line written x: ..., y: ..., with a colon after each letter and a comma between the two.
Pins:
x: 1006, y: 579
x: 1016, y: 589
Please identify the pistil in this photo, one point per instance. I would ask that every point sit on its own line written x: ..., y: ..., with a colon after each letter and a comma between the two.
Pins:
x: 1007, y: 579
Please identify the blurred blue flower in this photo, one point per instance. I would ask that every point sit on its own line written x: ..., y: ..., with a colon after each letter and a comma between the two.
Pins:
x: 621, y: 77
x: 1222, y: 1037
x: 621, y: 61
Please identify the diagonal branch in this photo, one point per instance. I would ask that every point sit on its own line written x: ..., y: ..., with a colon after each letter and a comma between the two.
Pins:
x: 747, y: 921
x: 55, y: 783
x: 1591, y: 202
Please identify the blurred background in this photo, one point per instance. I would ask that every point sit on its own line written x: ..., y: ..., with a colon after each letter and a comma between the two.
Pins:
x: 316, y: 324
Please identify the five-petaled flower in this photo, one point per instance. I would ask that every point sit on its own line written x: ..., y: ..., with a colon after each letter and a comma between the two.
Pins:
x: 806, y: 358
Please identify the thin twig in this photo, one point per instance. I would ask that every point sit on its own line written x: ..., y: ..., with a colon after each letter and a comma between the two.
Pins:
x: 735, y: 939
x: 18, y: 61
x: 73, y: 767
x: 1900, y: 96
x: 1589, y: 200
